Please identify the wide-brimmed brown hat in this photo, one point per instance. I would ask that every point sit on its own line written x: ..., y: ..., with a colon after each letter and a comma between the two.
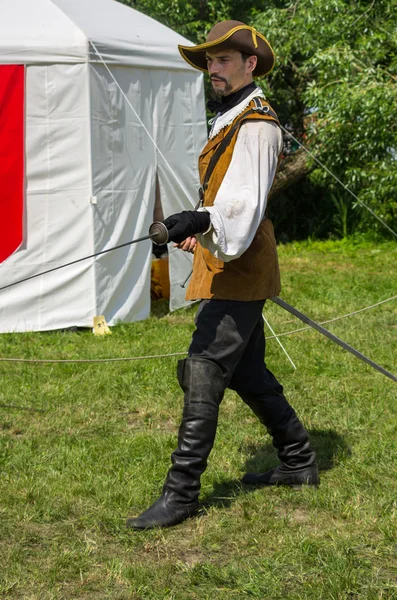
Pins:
x: 234, y: 35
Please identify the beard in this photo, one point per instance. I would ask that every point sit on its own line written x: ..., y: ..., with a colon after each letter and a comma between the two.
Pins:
x: 220, y: 93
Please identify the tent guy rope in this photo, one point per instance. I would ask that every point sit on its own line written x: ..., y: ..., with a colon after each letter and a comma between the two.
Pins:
x: 278, y: 341
x: 283, y: 128
x: 181, y: 186
x: 323, y: 166
x: 351, y: 314
x: 297, y: 313
x: 141, y: 122
x: 154, y: 356
x: 277, y: 300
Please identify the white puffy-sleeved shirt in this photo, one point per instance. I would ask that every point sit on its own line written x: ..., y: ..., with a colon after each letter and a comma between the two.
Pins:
x: 240, y: 203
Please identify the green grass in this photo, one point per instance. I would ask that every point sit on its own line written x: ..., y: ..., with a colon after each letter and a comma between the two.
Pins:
x: 84, y: 446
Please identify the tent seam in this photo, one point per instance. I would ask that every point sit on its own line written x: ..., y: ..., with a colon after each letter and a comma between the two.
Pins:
x: 91, y: 183
x: 87, y: 40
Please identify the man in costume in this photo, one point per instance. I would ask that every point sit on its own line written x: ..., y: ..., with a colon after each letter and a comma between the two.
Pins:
x: 235, y: 270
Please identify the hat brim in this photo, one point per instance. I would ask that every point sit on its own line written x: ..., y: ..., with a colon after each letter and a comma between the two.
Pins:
x: 235, y: 39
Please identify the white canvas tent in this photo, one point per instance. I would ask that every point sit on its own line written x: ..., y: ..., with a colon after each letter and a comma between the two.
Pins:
x: 91, y: 169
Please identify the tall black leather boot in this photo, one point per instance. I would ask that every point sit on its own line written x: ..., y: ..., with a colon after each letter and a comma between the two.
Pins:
x: 203, y: 383
x: 290, y: 438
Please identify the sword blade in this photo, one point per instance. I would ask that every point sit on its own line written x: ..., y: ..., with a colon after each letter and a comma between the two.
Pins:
x: 331, y: 336
x: 73, y: 262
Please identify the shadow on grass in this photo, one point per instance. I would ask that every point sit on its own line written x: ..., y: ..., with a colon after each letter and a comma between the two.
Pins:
x: 160, y: 308
x: 330, y: 447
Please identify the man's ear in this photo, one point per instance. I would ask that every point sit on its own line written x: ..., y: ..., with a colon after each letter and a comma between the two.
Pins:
x: 251, y: 63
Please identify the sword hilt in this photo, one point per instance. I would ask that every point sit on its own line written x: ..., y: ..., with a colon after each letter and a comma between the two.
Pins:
x: 159, y: 233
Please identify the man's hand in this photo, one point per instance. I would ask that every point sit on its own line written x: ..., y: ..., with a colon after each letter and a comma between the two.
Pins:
x: 185, y: 224
x: 187, y: 245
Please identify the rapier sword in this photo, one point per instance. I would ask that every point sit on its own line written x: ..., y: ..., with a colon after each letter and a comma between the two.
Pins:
x: 158, y: 233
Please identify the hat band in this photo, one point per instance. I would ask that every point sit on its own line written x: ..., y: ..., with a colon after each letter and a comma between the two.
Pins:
x: 227, y: 35
x: 254, y: 40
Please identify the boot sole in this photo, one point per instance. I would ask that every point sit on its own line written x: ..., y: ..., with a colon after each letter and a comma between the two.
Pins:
x: 160, y: 524
x: 294, y: 486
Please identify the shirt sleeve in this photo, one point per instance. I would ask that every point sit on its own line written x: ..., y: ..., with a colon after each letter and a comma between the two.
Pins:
x: 240, y: 203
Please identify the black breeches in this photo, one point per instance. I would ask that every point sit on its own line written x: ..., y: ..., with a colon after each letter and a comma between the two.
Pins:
x: 230, y: 333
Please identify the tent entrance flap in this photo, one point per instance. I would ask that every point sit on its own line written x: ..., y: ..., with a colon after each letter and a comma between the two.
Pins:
x: 160, y: 277
x: 158, y: 215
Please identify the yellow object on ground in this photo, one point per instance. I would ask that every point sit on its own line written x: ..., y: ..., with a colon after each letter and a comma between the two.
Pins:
x: 100, y: 326
x: 160, y: 283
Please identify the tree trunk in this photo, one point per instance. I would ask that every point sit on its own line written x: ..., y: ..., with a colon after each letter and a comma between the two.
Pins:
x: 293, y: 168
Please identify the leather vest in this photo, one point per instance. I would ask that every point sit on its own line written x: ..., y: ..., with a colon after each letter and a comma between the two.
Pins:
x: 255, y: 274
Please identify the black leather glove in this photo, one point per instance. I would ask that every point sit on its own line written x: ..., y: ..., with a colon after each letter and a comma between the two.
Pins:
x: 186, y: 223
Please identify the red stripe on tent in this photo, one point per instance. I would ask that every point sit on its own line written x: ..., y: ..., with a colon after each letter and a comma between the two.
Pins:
x: 12, y: 84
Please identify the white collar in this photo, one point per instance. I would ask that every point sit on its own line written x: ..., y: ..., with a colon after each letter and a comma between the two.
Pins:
x: 221, y: 121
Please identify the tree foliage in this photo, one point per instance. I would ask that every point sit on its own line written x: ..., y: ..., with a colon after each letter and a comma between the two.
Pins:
x: 193, y: 19
x: 334, y: 87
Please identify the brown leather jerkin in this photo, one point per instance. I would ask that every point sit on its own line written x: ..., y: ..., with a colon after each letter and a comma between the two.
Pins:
x: 255, y: 274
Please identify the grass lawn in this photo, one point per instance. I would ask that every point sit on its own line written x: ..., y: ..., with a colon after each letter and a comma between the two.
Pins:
x: 83, y: 446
